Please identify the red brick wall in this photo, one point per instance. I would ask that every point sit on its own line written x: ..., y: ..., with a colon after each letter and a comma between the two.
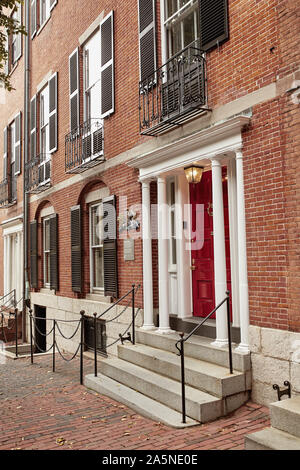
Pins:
x: 262, y: 47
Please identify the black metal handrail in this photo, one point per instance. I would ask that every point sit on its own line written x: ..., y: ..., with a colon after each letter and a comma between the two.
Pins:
x: 10, y: 326
x: 174, y: 93
x: 84, y: 146
x: 180, y: 346
x: 38, y: 173
x: 10, y: 294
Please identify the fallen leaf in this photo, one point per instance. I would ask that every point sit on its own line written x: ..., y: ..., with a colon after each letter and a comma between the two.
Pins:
x: 60, y: 441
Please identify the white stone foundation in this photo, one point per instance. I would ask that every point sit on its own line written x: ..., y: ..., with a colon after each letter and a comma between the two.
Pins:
x: 275, y: 357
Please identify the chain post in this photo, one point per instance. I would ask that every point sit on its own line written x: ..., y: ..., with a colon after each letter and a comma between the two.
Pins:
x: 54, y: 341
x: 133, y: 314
x: 95, y: 344
x: 82, y: 313
x: 16, y: 331
x: 31, y: 345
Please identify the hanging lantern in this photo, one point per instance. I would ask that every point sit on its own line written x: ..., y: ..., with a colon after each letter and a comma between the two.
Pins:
x: 194, y: 173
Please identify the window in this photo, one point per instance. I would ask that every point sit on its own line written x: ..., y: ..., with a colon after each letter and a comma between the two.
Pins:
x: 182, y: 24
x: 46, y: 251
x: 14, y: 41
x: 92, y: 89
x: 96, y: 247
x: 44, y: 160
x: 44, y: 11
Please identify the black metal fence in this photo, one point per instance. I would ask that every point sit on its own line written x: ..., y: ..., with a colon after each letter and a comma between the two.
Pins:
x: 8, y: 191
x: 175, y: 93
x: 38, y: 173
x: 96, y: 342
x: 84, y: 146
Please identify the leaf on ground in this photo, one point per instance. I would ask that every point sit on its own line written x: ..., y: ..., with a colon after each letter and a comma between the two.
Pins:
x: 60, y: 441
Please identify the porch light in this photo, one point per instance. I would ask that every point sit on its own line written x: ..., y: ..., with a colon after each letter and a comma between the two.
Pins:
x: 194, y: 173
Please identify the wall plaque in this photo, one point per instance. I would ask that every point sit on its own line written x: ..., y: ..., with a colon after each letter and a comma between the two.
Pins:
x: 129, y: 250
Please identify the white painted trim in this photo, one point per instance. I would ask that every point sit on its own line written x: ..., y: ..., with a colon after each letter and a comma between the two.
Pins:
x: 47, y: 211
x: 12, y: 220
x: 91, y: 29
x: 12, y: 229
x: 97, y: 195
x: 44, y: 82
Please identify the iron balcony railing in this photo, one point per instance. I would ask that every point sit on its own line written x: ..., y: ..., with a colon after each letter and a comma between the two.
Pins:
x: 84, y: 146
x: 175, y: 93
x: 38, y: 174
x: 8, y: 192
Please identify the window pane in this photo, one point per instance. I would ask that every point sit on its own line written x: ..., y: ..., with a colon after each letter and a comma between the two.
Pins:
x: 96, y: 214
x: 176, y: 38
x: 47, y: 268
x: 98, y: 267
x: 189, y: 29
x: 183, y: 2
x: 47, y: 235
x: 172, y: 6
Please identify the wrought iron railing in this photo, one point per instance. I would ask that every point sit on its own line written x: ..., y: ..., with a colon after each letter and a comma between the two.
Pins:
x: 38, y: 173
x: 84, y: 146
x: 175, y: 93
x: 8, y: 299
x: 180, y: 346
x: 8, y: 191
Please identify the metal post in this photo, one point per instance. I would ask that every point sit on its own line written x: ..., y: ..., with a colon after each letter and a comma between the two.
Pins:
x: 53, y: 352
x: 229, y: 332
x: 182, y: 377
x: 16, y: 330
x: 133, y: 314
x: 81, y: 345
x: 95, y: 344
x: 31, y: 345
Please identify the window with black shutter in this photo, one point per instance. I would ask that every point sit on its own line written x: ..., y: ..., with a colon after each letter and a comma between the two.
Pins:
x: 33, y: 255
x: 213, y: 23
x: 33, y: 18
x: 5, y: 160
x: 107, y: 65
x: 53, y: 113
x: 33, y: 125
x: 76, y: 265
x: 110, y: 247
x: 74, y: 89
x: 147, y: 38
x: 18, y: 130
x: 53, y: 220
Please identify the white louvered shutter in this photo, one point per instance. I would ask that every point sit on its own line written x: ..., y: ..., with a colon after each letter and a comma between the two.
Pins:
x: 107, y: 65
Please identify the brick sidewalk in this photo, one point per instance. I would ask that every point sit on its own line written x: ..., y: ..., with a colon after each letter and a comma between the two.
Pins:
x: 44, y: 410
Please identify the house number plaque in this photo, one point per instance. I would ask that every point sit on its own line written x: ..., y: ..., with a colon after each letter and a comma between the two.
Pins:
x: 129, y: 250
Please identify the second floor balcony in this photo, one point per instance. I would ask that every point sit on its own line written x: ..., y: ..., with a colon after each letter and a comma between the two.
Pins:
x: 38, y: 174
x: 8, y: 192
x: 175, y: 93
x: 84, y: 147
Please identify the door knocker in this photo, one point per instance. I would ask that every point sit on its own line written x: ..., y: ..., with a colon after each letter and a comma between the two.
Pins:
x: 210, y: 209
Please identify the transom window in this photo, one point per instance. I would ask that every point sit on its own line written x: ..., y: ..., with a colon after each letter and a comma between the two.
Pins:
x: 182, y: 24
x: 96, y: 247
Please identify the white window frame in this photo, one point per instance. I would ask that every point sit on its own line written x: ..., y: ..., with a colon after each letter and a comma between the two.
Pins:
x: 47, y: 12
x: 94, y: 289
x: 46, y: 253
x: 45, y: 157
x: 177, y: 16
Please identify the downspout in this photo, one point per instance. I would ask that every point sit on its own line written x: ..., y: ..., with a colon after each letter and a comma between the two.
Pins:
x: 26, y: 292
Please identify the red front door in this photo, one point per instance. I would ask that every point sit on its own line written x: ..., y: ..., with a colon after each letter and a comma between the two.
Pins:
x: 203, y: 257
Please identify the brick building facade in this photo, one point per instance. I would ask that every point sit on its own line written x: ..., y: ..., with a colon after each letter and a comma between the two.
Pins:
x: 121, y: 99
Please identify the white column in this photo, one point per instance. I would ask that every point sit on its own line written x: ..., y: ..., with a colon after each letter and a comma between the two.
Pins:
x: 242, y: 255
x: 147, y: 258
x: 8, y: 264
x: 219, y: 254
x: 184, y: 279
x: 232, y: 209
x: 163, y: 242
x: 5, y: 265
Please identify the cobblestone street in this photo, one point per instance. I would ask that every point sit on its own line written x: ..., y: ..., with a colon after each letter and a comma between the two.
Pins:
x: 44, y: 410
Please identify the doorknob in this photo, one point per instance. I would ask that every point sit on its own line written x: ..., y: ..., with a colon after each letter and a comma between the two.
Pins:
x: 193, y: 267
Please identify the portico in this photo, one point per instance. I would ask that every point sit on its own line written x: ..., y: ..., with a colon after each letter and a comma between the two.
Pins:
x: 183, y: 230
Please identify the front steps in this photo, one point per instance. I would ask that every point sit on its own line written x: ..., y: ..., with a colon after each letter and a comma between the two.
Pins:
x: 146, y: 377
x: 284, y: 433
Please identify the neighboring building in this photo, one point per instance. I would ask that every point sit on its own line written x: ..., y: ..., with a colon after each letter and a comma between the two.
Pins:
x: 123, y: 97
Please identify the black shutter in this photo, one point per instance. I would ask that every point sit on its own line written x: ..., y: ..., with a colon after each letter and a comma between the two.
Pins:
x: 110, y: 247
x: 33, y: 128
x: 18, y: 130
x: 213, y: 23
x: 76, y: 249
x: 147, y: 38
x: 33, y: 255
x: 74, y: 89
x: 53, y: 113
x: 54, y: 252
x: 107, y: 65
